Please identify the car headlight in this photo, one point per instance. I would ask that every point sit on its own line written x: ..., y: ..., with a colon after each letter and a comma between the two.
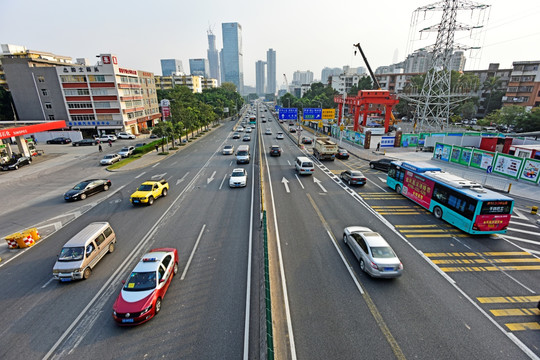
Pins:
x: 114, y: 312
x: 146, y: 310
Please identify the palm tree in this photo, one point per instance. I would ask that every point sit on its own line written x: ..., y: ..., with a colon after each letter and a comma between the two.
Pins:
x: 490, y: 85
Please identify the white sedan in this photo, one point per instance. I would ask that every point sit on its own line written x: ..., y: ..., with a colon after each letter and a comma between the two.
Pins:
x: 238, y: 178
x: 110, y: 159
x: 375, y: 255
x: 268, y: 131
x: 280, y: 136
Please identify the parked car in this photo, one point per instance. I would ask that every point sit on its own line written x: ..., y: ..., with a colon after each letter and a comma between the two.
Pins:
x: 375, y: 255
x: 15, y: 164
x: 306, y: 140
x: 228, y: 150
x: 353, y: 177
x: 86, y: 188
x: 275, y: 150
x: 59, y: 140
x: 126, y: 151
x: 342, y: 154
x: 107, y: 137
x: 280, y: 136
x: 110, y: 159
x: 138, y: 145
x: 153, y: 136
x: 125, y: 135
x: 142, y: 293
x: 238, y: 178
x: 381, y: 164
x: 85, y: 142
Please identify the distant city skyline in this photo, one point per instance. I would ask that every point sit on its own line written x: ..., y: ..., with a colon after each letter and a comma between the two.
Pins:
x: 511, y: 33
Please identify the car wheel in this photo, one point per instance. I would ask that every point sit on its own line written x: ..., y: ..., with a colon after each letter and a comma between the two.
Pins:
x: 362, y: 265
x: 111, y: 247
x: 349, y: 182
x: 372, y: 166
x: 158, y: 306
x: 16, y: 167
x: 437, y: 211
x: 164, y: 192
x: 345, y: 238
x: 29, y: 161
x: 105, y: 187
x: 398, y: 189
x: 175, y: 270
x: 86, y: 273
x: 150, y: 200
x: 83, y: 196
x: 77, y: 144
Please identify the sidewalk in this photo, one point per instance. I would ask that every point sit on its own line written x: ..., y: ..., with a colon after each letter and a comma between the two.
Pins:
x: 517, y: 188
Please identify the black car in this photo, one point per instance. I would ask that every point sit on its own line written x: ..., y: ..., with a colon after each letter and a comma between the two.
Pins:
x: 85, y: 142
x: 86, y: 188
x: 353, y: 177
x: 275, y: 150
x: 381, y: 164
x: 59, y: 140
x: 342, y: 154
x: 306, y: 140
x: 15, y: 164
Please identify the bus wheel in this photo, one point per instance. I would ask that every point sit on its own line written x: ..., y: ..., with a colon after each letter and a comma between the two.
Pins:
x: 437, y: 212
x: 398, y: 189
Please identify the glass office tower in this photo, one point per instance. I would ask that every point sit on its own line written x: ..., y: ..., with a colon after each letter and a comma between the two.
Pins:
x: 232, y: 56
x: 271, y: 72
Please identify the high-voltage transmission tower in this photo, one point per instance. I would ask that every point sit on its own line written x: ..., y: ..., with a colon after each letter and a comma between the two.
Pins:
x: 436, y: 97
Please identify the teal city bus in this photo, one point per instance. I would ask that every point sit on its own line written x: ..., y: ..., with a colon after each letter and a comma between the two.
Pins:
x: 252, y: 119
x: 463, y: 203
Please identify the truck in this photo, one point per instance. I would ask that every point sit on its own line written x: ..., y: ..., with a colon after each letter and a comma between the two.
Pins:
x: 149, y: 191
x: 325, y: 149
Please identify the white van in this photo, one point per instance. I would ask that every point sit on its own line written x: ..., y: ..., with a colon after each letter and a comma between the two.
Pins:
x: 242, y: 154
x: 304, y: 165
x: 83, y: 251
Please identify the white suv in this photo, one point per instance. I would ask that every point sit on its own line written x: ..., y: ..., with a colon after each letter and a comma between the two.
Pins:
x: 125, y: 135
x: 106, y: 138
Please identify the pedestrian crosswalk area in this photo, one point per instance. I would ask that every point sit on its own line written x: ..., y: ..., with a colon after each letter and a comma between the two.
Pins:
x: 485, y: 261
x: 517, y: 313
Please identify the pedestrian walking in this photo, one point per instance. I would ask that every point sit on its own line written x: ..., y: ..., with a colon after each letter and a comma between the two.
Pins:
x: 378, y: 146
x: 110, y: 143
x: 100, y: 148
x: 157, y: 148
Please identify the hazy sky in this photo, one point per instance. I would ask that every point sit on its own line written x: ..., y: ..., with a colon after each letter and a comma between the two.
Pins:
x: 306, y: 35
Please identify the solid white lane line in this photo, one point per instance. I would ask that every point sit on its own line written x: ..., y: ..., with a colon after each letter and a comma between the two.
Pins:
x: 156, y: 164
x: 47, y: 283
x: 192, y: 253
x: 281, y: 268
x: 349, y: 268
x: 297, y: 178
x: 222, y: 181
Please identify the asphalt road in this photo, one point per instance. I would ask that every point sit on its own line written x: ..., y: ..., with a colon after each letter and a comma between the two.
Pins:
x: 203, y: 314
x: 427, y: 313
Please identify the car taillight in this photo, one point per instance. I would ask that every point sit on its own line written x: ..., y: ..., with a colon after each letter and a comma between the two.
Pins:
x: 373, y: 265
x: 400, y: 266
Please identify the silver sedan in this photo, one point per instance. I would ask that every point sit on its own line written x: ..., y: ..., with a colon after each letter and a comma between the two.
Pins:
x: 375, y: 255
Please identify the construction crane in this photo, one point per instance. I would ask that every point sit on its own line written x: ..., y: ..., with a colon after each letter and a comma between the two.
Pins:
x: 375, y: 82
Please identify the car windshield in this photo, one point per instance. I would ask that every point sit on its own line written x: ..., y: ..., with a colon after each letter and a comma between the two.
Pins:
x: 228, y: 147
x: 108, y: 156
x: 237, y: 173
x: 140, y: 281
x: 71, y: 254
x: 81, y: 186
x: 382, y: 252
x: 356, y: 173
x: 124, y: 149
x: 145, y: 187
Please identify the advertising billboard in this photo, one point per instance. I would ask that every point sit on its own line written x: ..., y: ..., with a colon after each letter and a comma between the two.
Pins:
x: 530, y: 171
x: 507, y: 165
x: 481, y: 159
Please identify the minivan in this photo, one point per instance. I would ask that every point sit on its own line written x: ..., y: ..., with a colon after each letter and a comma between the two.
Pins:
x: 83, y: 251
x: 304, y: 165
x: 242, y: 154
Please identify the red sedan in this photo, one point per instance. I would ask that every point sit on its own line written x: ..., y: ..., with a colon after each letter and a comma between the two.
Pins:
x: 142, y: 294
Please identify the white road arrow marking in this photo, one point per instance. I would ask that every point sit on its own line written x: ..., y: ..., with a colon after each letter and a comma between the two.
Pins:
x: 382, y: 179
x: 158, y: 176
x: 286, y: 183
x: 319, y: 182
x: 519, y: 214
x: 182, y: 179
x: 211, y: 178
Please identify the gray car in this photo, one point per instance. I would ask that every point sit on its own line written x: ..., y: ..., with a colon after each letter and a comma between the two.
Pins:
x: 375, y: 255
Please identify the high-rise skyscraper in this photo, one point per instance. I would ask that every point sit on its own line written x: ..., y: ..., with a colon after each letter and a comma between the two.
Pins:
x: 259, y: 77
x: 170, y: 66
x: 199, y: 67
x: 232, y: 56
x: 271, y: 72
x: 213, y: 57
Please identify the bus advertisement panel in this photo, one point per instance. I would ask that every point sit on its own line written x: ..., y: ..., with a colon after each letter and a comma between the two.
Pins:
x: 417, y: 188
x: 494, y: 215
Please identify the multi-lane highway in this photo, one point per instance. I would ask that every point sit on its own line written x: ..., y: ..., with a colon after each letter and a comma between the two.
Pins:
x: 459, y: 296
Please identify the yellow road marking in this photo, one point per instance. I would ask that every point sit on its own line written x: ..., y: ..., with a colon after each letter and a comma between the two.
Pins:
x: 469, y: 254
x: 486, y: 261
x: 508, y: 299
x: 523, y: 326
x: 396, y: 207
x: 516, y: 312
x: 491, y: 268
x: 421, y: 226
x: 399, y: 213
x: 431, y: 231
x: 434, y: 235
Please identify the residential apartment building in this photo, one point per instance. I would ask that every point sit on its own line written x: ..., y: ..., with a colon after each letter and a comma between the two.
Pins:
x: 271, y: 80
x: 327, y: 72
x: 302, y: 77
x: 343, y: 83
x: 171, y: 66
x: 394, y: 82
x: 232, y: 56
x: 195, y: 83
x: 92, y: 98
x: 524, y: 85
x: 483, y: 94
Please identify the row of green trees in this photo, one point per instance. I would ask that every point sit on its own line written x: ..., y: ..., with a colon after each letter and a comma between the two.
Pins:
x: 192, y: 112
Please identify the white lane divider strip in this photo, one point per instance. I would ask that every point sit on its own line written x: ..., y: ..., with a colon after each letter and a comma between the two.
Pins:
x: 192, y: 253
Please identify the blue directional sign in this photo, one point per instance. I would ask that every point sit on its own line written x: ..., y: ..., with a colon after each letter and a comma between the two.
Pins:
x: 312, y: 114
x: 277, y: 107
x: 288, y: 113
